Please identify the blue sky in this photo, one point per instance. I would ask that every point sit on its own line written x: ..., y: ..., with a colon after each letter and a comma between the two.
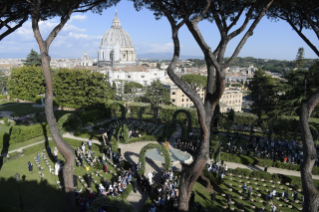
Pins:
x: 271, y: 40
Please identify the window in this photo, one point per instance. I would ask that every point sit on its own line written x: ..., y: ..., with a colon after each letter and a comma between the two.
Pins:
x: 182, y: 105
x: 183, y: 95
x: 143, y: 76
x: 117, y: 76
x: 182, y: 100
x: 186, y: 100
x: 173, y: 100
x: 186, y: 105
x: 129, y: 76
x: 173, y: 93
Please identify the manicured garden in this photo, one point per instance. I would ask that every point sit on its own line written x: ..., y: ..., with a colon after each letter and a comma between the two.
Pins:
x: 43, y: 194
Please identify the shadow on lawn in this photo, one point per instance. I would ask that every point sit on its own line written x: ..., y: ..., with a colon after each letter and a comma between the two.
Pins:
x: 36, y: 196
x: 5, y: 149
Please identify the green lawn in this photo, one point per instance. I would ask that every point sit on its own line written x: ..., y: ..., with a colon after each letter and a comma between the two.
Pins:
x: 25, y: 143
x: 22, y: 109
x: 40, y: 194
x: 4, y: 128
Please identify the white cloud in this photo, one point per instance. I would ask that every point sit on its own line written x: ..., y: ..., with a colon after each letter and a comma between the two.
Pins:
x: 83, y: 36
x: 78, y: 18
x: 154, y: 48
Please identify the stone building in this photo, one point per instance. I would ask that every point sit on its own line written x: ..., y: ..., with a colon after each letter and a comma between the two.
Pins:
x: 231, y: 99
x: 116, y: 47
x: 85, y: 60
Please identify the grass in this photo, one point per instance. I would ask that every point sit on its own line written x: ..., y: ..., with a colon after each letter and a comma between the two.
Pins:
x: 25, y: 143
x: 22, y: 109
x: 5, y: 129
x: 40, y: 194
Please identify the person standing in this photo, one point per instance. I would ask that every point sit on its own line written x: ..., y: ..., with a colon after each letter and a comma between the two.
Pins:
x: 83, y: 148
x: 266, y: 168
x: 249, y: 192
x: 38, y: 156
x: 49, y: 150
x: 90, y: 144
x: 56, y: 153
x: 89, y: 179
x: 273, y: 207
x: 57, y: 168
x: 30, y: 166
x: 244, y: 189
x: 212, y: 197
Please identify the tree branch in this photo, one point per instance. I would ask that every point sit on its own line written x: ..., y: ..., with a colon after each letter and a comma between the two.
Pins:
x: 243, y: 26
x: 312, y: 24
x: 248, y: 34
x: 59, y: 27
x: 222, y: 14
x: 9, y: 31
x: 303, y: 37
x: 236, y: 19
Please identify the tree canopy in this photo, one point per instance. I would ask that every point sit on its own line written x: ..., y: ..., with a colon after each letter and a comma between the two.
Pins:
x: 195, y: 81
x: 33, y: 59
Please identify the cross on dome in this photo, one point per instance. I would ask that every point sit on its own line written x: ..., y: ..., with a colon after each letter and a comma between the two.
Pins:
x: 116, y: 21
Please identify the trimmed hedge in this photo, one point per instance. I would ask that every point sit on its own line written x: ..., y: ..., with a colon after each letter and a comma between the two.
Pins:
x: 249, y: 160
x: 24, y: 133
x: 150, y: 146
x: 244, y: 118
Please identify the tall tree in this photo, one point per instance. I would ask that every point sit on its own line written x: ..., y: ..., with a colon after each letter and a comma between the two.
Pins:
x: 3, y: 81
x: 225, y: 13
x: 33, y: 59
x: 300, y: 58
x: 63, y: 9
x: 261, y: 87
x: 196, y: 81
x: 300, y: 15
x: 156, y: 94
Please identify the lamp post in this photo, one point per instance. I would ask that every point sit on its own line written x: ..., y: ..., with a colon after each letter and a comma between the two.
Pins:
x: 17, y: 177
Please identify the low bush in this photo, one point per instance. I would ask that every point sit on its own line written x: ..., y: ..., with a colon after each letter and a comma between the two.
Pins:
x: 213, y: 177
x: 3, y: 96
x: 24, y: 133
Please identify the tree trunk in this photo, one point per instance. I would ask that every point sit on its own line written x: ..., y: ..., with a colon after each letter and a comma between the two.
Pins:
x: 311, y: 193
x: 64, y: 148
x: 191, y: 173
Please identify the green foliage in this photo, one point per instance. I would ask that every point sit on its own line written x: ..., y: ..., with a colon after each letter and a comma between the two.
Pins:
x: 26, y: 82
x: 213, y: 177
x: 123, y: 109
x: 132, y: 87
x: 189, y: 118
x: 245, y: 119
x: 3, y: 83
x: 6, y: 121
x: 80, y: 87
x: 125, y: 134
x: 33, y: 59
x: 300, y: 58
x: 67, y: 117
x: 115, y: 146
x: 161, y: 148
x: 261, y: 87
x: 156, y: 94
x: 24, y: 133
x: 195, y: 81
x: 118, y: 202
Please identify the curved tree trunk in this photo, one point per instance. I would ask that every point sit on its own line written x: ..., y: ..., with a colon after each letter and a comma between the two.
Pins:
x: 311, y: 193
x: 63, y: 147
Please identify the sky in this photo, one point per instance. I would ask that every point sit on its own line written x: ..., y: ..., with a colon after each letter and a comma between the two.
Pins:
x: 83, y: 32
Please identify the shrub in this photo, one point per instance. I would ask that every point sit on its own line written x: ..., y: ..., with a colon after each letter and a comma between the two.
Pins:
x: 125, y: 134
x: 24, y: 133
x: 142, y: 156
x: 6, y: 121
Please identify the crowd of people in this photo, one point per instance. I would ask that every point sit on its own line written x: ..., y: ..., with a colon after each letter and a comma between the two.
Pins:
x: 274, y: 149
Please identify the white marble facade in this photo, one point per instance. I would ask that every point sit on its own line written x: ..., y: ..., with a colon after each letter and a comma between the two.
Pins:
x: 116, y: 47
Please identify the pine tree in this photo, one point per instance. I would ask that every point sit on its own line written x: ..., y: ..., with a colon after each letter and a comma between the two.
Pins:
x: 33, y: 59
x: 300, y: 59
